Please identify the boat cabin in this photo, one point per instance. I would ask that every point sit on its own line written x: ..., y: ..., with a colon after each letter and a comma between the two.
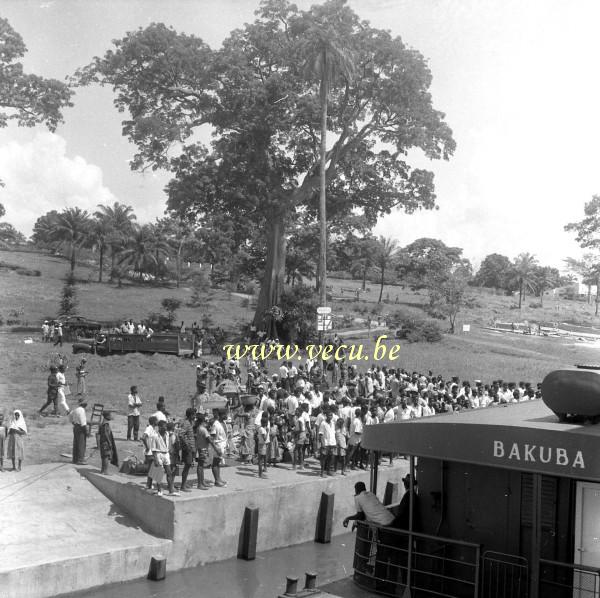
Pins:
x: 508, y: 507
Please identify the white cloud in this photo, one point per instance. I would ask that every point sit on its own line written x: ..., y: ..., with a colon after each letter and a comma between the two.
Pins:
x: 39, y: 177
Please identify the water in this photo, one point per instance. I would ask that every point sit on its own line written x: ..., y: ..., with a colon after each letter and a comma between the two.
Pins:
x: 262, y: 578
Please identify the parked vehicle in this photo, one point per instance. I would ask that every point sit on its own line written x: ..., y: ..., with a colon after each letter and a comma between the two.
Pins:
x: 77, y: 326
x: 111, y: 343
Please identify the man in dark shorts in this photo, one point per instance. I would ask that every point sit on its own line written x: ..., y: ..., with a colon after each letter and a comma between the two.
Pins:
x: 188, y: 446
x: 203, y: 441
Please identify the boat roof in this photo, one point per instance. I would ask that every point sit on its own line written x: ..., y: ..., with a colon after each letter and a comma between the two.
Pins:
x: 523, y: 436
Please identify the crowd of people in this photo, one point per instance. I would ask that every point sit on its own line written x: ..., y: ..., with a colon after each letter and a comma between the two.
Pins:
x: 270, y: 413
x: 301, y: 415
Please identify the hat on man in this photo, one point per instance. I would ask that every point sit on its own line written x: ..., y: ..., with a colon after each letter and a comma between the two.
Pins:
x: 107, y: 415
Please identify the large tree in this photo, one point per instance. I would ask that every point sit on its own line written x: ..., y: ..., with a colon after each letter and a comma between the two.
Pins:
x: 426, y: 262
x: 495, y: 272
x: 588, y: 237
x: 26, y: 98
x: 262, y: 166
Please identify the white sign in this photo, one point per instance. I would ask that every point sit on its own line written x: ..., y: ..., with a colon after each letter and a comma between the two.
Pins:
x: 324, y: 322
x: 466, y: 327
x: 323, y: 310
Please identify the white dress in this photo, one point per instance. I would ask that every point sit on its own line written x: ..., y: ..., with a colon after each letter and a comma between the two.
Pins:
x: 62, y: 399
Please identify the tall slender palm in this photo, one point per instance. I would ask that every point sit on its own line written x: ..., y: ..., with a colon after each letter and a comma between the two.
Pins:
x: 120, y: 218
x: 72, y: 229
x: 386, y: 251
x: 525, y: 265
x: 328, y: 60
x: 100, y: 235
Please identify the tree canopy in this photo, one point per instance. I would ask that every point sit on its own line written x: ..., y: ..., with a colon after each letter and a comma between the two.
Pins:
x: 427, y: 262
x: 26, y: 98
x: 261, y: 168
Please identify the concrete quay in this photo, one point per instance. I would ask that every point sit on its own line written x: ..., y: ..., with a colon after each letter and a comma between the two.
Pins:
x: 66, y: 528
x: 59, y: 534
x: 207, y: 526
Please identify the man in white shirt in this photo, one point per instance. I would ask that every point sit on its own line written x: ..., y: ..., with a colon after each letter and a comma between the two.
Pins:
x: 284, y: 376
x: 327, y: 442
x: 368, y: 508
x: 80, y: 431
x: 292, y: 402
x: 219, y: 436
x: 147, y: 436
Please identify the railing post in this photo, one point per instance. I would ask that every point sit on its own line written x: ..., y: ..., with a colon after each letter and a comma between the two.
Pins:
x: 536, y: 524
x: 477, y: 572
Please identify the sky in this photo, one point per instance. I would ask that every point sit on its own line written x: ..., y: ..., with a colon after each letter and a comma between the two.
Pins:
x: 517, y: 80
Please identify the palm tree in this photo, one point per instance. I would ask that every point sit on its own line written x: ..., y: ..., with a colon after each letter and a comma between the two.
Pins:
x: 546, y: 278
x: 72, y: 229
x: 327, y: 60
x: 159, y: 244
x: 142, y: 250
x: 179, y: 234
x: 100, y: 234
x: 525, y: 265
x: 120, y: 220
x: 386, y: 251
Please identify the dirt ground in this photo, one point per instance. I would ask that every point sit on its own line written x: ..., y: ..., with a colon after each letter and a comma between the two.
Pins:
x: 23, y: 375
x: 24, y: 370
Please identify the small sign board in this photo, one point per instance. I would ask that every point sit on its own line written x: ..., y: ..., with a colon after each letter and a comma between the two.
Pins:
x: 324, y: 310
x: 324, y: 322
x: 466, y: 327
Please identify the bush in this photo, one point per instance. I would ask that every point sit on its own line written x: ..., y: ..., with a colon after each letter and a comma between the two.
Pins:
x: 158, y: 321
x: 535, y: 305
x: 200, y: 289
x: 299, y: 305
x: 245, y: 302
x: 68, y: 301
x: 170, y: 305
x: 415, y: 329
x: 346, y: 321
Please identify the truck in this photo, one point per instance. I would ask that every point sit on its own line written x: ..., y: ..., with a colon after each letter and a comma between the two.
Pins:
x: 174, y: 343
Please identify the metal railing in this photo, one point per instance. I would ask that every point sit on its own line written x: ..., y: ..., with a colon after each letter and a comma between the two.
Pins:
x: 504, y: 575
x: 567, y: 580
x: 438, y: 567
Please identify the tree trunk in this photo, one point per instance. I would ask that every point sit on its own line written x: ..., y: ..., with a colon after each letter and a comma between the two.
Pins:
x: 72, y: 258
x: 520, y: 293
x: 101, y: 263
x: 589, y: 294
x: 318, y: 276
x: 323, y: 186
x: 381, y: 289
x: 364, y: 279
x: 542, y: 297
x: 113, y: 255
x: 597, y: 294
x: 178, y: 263
x: 272, y: 283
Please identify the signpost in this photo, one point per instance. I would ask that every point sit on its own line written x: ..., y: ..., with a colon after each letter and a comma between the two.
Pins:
x: 324, y: 320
